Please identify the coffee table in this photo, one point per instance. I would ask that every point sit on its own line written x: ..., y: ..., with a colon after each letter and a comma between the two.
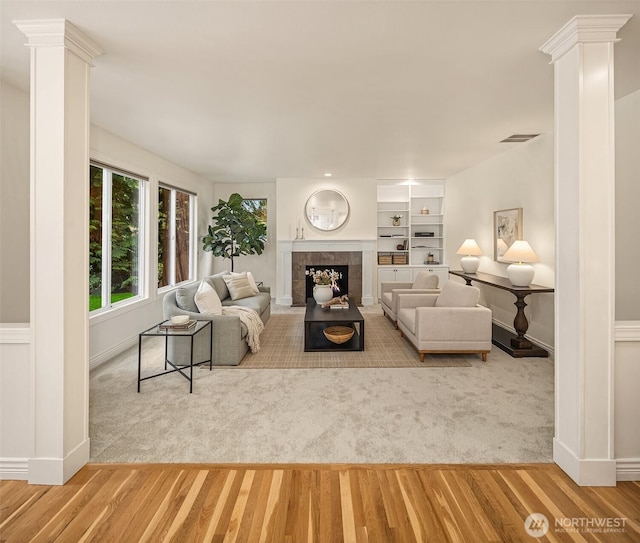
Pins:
x: 316, y: 319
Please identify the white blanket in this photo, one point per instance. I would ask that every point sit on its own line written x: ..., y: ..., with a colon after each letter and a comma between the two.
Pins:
x: 250, y: 318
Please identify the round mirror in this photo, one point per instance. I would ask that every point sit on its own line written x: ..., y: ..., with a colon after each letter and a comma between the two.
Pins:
x: 327, y: 209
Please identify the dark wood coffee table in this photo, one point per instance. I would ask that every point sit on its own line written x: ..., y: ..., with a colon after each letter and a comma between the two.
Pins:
x: 316, y: 319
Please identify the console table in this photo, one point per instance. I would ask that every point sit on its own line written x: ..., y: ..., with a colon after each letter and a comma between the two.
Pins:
x: 517, y: 346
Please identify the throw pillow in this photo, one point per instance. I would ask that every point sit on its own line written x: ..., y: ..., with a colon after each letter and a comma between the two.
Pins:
x: 252, y: 282
x: 457, y: 295
x: 238, y: 285
x: 218, y: 283
x: 207, y: 300
x: 425, y: 279
x: 184, y: 298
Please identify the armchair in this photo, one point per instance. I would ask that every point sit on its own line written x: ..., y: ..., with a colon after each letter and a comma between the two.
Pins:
x: 425, y: 283
x: 451, y: 322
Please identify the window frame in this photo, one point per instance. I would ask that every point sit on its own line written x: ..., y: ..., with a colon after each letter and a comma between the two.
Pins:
x: 193, y: 239
x: 107, y: 221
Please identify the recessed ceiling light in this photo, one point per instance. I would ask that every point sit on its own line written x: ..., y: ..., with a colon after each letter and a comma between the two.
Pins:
x: 519, y: 138
x: 327, y: 174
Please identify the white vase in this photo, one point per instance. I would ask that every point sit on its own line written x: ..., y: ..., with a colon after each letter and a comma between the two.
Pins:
x: 322, y: 293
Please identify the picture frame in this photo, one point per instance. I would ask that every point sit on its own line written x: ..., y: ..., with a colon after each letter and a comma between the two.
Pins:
x: 507, y: 228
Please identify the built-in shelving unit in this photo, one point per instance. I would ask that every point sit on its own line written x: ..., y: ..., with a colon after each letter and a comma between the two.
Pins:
x: 416, y: 241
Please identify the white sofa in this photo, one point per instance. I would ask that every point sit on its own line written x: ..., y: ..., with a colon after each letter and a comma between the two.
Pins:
x: 451, y: 322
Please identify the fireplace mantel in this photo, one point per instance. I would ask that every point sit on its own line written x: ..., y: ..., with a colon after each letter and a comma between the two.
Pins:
x: 287, y: 247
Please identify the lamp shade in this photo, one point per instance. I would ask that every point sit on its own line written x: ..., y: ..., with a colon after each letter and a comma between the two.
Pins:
x: 520, y: 251
x: 470, y: 262
x: 469, y: 248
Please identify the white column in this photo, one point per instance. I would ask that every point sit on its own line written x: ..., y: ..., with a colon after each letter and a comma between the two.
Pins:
x: 582, y: 54
x: 60, y: 62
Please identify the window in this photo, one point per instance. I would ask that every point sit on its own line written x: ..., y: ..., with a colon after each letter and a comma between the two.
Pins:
x: 257, y: 206
x: 175, y: 247
x: 115, y: 236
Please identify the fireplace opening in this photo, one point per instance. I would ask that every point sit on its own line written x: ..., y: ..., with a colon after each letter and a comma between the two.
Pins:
x: 342, y: 284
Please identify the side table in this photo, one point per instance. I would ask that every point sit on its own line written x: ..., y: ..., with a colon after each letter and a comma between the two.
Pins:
x: 157, y: 331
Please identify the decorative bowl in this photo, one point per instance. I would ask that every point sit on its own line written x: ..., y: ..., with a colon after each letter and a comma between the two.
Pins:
x: 180, y: 319
x: 338, y: 334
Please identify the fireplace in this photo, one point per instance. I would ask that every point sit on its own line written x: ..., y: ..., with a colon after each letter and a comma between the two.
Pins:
x: 349, y: 263
x: 295, y: 255
x: 342, y: 284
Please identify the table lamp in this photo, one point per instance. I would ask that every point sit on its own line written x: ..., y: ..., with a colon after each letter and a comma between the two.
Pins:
x: 520, y: 272
x: 470, y: 263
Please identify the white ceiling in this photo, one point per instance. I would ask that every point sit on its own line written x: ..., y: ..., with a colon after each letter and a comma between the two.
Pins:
x: 253, y: 91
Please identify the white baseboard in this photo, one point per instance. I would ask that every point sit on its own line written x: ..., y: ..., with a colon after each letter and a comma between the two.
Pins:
x: 284, y: 300
x: 14, y: 469
x: 57, y: 471
x: 628, y: 469
x: 585, y: 472
x: 107, y: 355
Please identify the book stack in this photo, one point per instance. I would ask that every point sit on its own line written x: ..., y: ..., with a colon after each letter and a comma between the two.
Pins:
x: 177, y: 327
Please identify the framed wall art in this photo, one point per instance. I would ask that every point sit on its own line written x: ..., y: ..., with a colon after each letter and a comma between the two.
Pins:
x: 507, y: 228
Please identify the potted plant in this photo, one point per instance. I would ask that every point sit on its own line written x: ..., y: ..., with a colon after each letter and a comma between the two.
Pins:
x: 235, y: 231
x: 396, y: 219
x: 324, y: 283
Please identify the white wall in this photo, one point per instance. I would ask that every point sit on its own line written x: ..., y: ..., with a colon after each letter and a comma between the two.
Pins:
x: 115, y: 330
x: 627, y: 348
x: 14, y: 204
x: 522, y: 176
x: 263, y: 267
x: 627, y: 205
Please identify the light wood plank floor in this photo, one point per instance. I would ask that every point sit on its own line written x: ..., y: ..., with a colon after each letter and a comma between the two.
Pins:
x: 319, y: 503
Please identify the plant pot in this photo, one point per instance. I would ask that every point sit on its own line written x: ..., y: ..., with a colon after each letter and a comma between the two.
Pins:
x: 322, y: 293
x: 395, y: 222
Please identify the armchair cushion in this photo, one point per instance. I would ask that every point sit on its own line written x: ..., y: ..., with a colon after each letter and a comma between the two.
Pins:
x: 425, y: 279
x: 458, y: 295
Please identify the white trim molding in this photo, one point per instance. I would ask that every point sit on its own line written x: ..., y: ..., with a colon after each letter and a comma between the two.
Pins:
x: 12, y: 333
x: 584, y: 29
x: 627, y: 331
x: 584, y: 471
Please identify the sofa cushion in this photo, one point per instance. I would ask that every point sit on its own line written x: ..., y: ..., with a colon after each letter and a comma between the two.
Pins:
x: 218, y: 283
x: 238, y: 285
x: 425, y: 279
x: 259, y: 303
x: 207, y: 300
x: 184, y: 297
x: 458, y: 295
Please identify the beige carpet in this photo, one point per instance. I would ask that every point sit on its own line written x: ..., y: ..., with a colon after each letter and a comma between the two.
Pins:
x: 282, y: 347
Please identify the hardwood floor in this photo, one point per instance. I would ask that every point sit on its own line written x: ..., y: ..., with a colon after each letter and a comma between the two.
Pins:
x: 319, y: 503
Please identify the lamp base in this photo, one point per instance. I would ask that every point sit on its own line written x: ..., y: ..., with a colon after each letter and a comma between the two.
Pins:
x: 470, y: 264
x: 520, y: 274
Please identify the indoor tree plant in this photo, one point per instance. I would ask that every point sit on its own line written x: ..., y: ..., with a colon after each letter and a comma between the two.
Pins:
x: 235, y: 231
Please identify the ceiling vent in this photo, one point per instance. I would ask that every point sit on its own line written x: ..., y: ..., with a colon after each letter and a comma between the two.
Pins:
x: 519, y: 138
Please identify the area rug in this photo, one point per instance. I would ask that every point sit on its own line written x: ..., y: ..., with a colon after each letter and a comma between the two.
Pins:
x: 282, y: 347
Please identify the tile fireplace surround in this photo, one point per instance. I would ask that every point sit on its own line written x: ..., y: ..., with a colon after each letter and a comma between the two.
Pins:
x: 294, y: 255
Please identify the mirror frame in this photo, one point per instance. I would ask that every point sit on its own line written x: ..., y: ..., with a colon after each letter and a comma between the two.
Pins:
x: 308, y: 210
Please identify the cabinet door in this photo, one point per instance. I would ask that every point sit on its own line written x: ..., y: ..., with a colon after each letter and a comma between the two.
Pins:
x: 441, y: 271
x: 393, y: 274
